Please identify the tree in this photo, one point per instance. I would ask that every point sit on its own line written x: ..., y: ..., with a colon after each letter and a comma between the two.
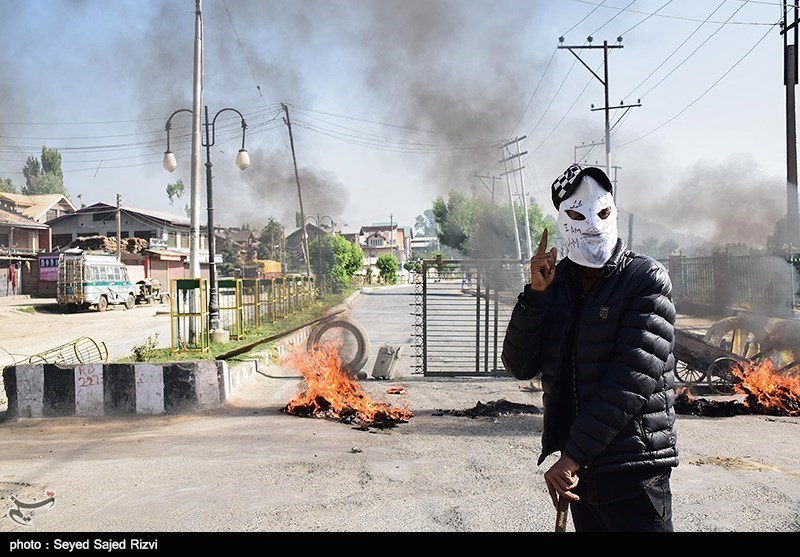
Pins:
x: 270, y: 241
x: 231, y: 257
x: 6, y: 185
x: 333, y: 256
x: 387, y: 268
x: 175, y: 191
x: 478, y: 228
x: 45, y: 175
x: 425, y: 224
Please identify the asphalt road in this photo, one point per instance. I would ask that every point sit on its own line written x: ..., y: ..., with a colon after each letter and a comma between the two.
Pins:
x: 250, y: 467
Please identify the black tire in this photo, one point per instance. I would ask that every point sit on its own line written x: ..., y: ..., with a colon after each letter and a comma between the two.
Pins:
x: 130, y: 301
x: 102, y: 303
x: 359, y: 359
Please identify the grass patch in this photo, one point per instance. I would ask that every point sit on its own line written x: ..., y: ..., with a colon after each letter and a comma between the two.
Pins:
x: 27, y: 309
x: 147, y: 352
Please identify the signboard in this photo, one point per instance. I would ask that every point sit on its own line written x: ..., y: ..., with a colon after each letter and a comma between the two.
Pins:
x: 48, y: 268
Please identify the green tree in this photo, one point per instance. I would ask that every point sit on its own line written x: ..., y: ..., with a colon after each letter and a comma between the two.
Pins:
x: 270, y: 241
x: 387, y: 268
x: 333, y: 256
x: 6, y: 185
x: 478, y: 228
x: 45, y: 175
x: 425, y: 224
x: 175, y: 191
x: 231, y: 257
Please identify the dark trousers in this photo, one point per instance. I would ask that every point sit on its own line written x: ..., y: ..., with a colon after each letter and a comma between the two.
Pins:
x: 649, y: 511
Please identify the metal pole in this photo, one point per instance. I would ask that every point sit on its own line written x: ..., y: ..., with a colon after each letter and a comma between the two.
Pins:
x: 790, y: 79
x: 194, y: 206
x: 528, y: 251
x: 607, y: 111
x: 213, y: 305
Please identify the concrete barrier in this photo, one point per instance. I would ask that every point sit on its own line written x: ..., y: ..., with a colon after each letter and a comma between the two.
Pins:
x: 101, y: 389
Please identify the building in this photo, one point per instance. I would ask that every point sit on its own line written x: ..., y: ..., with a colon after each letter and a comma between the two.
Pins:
x: 385, y: 239
x: 168, y: 237
x: 39, y: 208
x: 295, y: 259
x: 21, y: 240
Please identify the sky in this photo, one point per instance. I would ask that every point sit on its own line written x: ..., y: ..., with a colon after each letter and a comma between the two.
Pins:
x: 394, y: 103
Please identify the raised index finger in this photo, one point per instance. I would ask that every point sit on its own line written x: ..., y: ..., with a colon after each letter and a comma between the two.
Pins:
x: 542, y: 243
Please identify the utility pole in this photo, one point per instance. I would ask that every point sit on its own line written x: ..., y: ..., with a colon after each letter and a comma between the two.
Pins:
x: 492, y: 178
x: 119, y: 228
x: 604, y: 80
x: 197, y: 102
x: 519, y: 169
x: 391, y: 230
x: 585, y: 146
x: 288, y: 123
x: 790, y: 80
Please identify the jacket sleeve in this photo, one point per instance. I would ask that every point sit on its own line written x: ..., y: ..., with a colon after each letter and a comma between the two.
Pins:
x: 521, y: 345
x: 644, y: 345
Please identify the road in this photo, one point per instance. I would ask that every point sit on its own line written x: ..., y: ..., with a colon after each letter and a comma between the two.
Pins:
x: 250, y: 467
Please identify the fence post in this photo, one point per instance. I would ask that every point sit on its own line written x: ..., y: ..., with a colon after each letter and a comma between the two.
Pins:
x: 676, y: 277
x: 722, y: 286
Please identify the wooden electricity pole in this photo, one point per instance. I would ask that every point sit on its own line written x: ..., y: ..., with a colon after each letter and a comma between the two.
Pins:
x: 288, y: 123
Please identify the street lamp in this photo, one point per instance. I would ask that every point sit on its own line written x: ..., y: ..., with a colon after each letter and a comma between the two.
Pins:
x: 242, y: 162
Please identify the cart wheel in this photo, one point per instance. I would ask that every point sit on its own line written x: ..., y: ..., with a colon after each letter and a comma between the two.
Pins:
x: 687, y: 374
x: 720, y: 375
x: 165, y: 299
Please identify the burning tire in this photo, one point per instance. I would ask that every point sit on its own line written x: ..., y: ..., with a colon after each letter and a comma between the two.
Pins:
x: 352, y: 338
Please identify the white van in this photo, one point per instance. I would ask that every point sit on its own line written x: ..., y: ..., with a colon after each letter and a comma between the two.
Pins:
x: 93, y: 280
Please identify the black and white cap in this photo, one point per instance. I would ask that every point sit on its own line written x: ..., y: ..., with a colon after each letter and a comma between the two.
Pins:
x: 565, y: 185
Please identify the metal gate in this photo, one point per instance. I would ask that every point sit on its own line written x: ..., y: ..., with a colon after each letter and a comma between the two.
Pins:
x: 461, y: 311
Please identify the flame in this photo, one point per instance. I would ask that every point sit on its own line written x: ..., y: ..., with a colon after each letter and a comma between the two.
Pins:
x: 331, y: 392
x: 768, y: 390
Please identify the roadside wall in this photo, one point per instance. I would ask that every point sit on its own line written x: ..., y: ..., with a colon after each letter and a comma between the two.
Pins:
x: 100, y: 389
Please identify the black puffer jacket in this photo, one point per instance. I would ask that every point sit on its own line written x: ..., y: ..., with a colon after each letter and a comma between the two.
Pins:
x: 621, y: 357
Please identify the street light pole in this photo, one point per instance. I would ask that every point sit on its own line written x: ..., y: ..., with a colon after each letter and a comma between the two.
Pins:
x: 242, y: 162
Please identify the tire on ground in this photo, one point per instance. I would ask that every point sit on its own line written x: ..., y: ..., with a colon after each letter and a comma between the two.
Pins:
x: 359, y: 360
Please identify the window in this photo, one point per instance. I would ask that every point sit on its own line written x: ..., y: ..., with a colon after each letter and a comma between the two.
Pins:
x: 61, y: 240
x: 104, y: 217
x: 172, y: 239
x: 4, y: 240
x: 145, y: 234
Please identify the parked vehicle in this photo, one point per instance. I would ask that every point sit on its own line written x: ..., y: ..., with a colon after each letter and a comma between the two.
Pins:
x: 149, y: 291
x: 96, y: 280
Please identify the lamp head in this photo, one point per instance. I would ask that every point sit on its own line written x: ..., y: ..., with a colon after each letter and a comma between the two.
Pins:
x: 170, y: 162
x: 243, y: 159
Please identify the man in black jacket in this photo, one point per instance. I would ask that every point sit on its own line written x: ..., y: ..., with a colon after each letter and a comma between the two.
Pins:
x: 598, y: 326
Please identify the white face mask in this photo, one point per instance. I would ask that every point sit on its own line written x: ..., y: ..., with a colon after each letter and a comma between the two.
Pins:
x: 589, y: 237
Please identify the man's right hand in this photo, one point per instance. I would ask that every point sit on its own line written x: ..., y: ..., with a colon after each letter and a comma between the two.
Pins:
x: 543, y: 266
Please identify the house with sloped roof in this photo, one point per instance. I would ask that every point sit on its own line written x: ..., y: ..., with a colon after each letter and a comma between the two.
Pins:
x: 21, y: 239
x: 40, y: 208
x: 168, y: 237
